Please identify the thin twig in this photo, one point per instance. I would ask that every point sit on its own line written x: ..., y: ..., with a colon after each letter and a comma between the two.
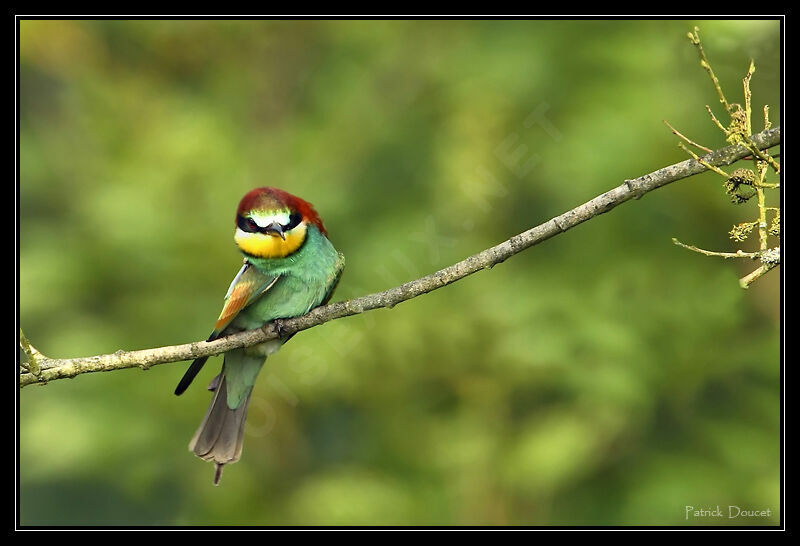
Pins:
x: 703, y: 162
x: 762, y: 204
x: 750, y: 278
x: 695, y: 39
x: 748, y: 113
x: 631, y: 189
x: 766, y: 157
x: 717, y: 122
x: 32, y: 366
x: 689, y: 141
x: 747, y: 280
x: 705, y: 149
x: 726, y: 255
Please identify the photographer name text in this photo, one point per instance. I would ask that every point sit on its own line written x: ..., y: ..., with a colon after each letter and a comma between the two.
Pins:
x: 732, y: 512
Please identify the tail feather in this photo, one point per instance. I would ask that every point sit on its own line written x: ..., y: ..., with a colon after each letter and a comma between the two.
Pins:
x: 194, y: 369
x: 221, y: 434
x: 190, y: 374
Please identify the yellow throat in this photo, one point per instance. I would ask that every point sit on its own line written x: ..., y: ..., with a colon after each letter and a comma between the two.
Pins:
x: 264, y: 245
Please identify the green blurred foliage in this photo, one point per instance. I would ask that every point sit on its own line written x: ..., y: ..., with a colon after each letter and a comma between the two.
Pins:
x: 604, y: 377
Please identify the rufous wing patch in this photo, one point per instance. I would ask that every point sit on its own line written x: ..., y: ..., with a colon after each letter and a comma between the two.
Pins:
x: 248, y: 285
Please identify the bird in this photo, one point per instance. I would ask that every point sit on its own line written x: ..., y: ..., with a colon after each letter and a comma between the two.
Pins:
x: 289, y: 268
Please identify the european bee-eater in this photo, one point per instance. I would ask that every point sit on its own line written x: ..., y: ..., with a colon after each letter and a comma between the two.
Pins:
x: 289, y: 268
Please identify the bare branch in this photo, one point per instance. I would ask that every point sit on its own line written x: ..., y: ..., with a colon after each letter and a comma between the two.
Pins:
x: 51, y: 369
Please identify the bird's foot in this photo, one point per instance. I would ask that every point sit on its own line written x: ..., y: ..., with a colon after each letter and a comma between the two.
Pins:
x: 280, y: 328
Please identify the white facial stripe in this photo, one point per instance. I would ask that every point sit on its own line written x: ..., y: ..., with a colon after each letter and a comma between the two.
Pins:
x: 263, y: 220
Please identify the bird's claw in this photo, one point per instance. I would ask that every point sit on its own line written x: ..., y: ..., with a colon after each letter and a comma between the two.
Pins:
x: 280, y: 328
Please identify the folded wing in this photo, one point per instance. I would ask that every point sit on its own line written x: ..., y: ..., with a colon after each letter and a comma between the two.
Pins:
x: 248, y: 285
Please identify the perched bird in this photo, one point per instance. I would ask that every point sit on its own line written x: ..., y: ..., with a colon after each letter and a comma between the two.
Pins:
x: 290, y: 267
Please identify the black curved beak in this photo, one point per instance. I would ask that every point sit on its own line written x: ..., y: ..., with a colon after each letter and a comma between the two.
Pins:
x: 275, y: 229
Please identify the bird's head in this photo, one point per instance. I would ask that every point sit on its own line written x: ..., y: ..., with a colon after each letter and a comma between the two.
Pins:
x: 271, y: 223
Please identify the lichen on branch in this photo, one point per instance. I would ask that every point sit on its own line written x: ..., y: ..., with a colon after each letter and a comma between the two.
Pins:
x: 742, y: 184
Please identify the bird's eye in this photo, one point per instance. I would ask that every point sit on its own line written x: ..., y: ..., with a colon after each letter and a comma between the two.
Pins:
x: 294, y: 219
x: 247, y: 224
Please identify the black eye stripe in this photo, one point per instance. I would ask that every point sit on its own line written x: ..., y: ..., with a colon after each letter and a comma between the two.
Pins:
x: 247, y: 224
x: 294, y: 220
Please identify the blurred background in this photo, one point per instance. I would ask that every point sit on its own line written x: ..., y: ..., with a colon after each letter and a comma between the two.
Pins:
x: 604, y: 377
